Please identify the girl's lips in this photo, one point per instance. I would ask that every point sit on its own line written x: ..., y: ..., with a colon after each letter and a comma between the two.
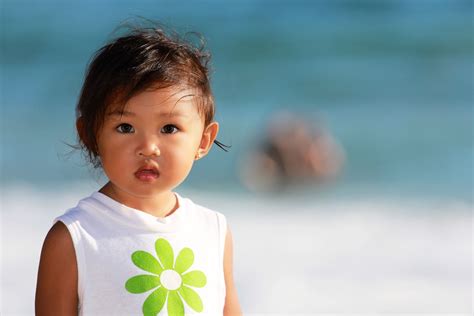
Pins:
x: 147, y: 175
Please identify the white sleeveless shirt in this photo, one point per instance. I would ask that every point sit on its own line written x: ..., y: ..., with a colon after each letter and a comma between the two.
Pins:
x: 133, y: 263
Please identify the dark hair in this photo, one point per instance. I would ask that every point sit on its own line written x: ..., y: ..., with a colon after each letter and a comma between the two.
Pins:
x: 136, y: 61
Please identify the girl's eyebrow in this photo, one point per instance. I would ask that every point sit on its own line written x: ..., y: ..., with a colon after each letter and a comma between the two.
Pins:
x: 121, y: 113
x: 131, y: 114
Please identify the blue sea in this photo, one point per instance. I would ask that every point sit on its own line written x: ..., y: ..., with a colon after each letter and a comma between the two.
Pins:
x: 392, y: 81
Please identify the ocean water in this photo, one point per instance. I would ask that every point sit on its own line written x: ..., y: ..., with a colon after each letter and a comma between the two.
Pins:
x: 390, y: 80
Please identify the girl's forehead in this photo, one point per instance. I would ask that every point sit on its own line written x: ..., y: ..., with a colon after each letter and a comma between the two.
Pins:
x: 166, y: 98
x: 161, y: 101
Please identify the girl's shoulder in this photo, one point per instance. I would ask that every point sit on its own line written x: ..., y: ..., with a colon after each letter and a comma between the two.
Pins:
x: 83, y: 207
x: 199, y: 210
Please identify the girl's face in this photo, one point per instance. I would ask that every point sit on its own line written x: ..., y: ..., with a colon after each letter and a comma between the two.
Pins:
x: 149, y: 148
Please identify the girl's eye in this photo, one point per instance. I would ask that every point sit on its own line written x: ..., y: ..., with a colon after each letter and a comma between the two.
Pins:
x: 169, y: 129
x: 125, y: 128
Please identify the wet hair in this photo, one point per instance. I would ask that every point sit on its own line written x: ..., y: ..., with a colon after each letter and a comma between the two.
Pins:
x: 143, y: 58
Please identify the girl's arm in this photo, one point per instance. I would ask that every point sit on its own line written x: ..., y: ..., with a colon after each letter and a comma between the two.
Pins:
x: 231, y: 307
x: 56, y: 289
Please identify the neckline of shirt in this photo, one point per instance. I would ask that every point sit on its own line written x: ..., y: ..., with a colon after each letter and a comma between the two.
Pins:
x: 132, y: 215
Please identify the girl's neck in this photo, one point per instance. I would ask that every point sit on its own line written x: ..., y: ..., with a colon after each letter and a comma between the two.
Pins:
x: 159, y: 205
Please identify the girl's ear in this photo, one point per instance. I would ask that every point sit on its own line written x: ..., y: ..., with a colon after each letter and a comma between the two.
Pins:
x: 207, y: 139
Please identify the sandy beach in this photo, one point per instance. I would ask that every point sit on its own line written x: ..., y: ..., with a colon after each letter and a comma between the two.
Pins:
x: 359, y: 257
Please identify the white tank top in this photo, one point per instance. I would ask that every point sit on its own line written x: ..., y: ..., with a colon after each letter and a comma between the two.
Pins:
x: 133, y: 263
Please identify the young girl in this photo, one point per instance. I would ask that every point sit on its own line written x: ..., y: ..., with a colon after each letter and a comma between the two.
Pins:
x: 145, y: 114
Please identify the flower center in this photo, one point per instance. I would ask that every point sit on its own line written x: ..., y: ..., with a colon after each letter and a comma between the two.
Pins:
x: 170, y: 279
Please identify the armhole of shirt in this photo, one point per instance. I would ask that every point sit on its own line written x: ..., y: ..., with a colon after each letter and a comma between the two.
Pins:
x: 222, y: 226
x: 71, y: 226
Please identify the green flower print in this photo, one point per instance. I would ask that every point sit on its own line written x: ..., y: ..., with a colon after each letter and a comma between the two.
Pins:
x: 170, y: 283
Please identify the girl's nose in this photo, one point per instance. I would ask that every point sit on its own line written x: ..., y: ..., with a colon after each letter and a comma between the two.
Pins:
x: 149, y: 148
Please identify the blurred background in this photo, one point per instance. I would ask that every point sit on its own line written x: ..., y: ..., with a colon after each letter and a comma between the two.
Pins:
x: 370, y: 208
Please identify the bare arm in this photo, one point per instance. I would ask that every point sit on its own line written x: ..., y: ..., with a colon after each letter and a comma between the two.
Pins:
x: 232, y: 306
x: 56, y: 288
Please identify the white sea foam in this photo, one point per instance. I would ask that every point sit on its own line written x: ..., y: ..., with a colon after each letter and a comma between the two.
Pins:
x: 357, y: 256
